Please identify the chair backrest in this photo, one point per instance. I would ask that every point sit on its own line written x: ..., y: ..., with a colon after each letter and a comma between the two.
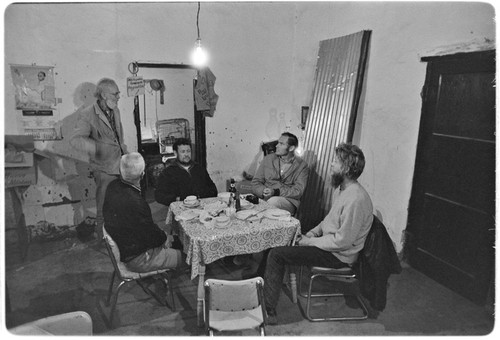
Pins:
x: 114, y: 254
x: 269, y: 147
x: 72, y: 323
x: 232, y: 296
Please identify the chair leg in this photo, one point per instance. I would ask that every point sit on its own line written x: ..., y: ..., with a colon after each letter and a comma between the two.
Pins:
x: 115, y: 299
x: 168, y: 284
x: 150, y: 292
x: 310, y: 295
x: 293, y: 286
x: 110, y: 289
x: 262, y: 330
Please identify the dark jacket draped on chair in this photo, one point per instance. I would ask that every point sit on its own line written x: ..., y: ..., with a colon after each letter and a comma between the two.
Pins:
x: 377, y: 261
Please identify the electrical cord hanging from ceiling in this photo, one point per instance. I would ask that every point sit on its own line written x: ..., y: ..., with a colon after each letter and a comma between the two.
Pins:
x: 197, y: 20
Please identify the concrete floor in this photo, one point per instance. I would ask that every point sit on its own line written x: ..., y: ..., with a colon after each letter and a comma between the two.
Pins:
x: 68, y: 275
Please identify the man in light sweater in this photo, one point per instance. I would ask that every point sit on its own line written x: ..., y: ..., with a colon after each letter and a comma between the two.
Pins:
x: 338, y: 239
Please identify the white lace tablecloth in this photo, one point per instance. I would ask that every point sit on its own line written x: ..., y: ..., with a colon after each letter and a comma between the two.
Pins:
x: 205, y: 243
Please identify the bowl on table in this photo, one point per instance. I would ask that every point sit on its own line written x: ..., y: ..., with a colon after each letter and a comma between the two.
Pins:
x: 222, y: 221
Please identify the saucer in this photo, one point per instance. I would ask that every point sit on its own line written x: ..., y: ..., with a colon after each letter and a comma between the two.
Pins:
x: 222, y: 226
x: 196, y: 204
x: 277, y: 214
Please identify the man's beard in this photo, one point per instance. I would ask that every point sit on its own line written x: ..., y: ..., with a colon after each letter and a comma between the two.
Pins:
x: 184, y: 163
x: 337, y: 179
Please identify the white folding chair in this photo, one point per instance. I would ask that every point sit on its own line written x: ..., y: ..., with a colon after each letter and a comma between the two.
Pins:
x: 234, y: 305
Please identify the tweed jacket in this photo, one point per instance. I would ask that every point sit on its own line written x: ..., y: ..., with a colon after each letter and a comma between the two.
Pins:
x: 290, y: 185
x: 94, y: 135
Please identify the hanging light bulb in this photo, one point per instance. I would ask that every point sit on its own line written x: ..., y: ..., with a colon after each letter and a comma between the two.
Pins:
x: 199, y: 56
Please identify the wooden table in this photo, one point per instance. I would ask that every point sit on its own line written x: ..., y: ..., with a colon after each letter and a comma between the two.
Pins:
x: 206, y: 243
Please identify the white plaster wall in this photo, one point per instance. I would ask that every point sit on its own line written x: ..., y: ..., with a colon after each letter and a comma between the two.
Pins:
x: 389, y: 117
x: 263, y: 55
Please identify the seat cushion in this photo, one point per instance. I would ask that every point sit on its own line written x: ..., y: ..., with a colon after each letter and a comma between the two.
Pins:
x: 230, y: 321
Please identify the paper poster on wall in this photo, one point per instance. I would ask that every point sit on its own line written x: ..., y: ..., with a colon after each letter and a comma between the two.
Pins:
x: 34, y: 85
x: 42, y: 128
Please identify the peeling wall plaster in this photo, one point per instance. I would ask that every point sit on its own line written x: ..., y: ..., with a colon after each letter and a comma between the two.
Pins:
x: 262, y: 80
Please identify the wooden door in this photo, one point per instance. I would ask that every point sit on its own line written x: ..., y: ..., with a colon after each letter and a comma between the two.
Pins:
x: 452, y: 207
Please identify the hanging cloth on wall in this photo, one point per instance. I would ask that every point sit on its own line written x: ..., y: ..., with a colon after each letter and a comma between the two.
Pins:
x: 204, y: 93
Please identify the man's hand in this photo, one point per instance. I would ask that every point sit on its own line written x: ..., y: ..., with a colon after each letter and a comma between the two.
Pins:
x: 304, y: 240
x: 267, y: 192
x: 168, y: 242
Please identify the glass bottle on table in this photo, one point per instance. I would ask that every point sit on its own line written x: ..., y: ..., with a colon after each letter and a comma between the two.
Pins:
x: 237, y: 203
x: 231, y: 208
x: 232, y: 192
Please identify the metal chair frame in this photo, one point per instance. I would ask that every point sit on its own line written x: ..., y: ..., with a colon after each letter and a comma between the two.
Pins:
x: 343, y: 274
x: 164, y: 275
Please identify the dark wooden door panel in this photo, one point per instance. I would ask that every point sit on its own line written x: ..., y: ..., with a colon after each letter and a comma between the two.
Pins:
x: 451, y: 219
x: 466, y: 106
x: 462, y: 171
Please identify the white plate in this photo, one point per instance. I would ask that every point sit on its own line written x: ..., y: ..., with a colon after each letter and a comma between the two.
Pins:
x: 187, y: 215
x: 277, y: 214
x: 244, y: 214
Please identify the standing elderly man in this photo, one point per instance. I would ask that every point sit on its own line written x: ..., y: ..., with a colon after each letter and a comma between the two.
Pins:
x: 99, y: 133
x: 282, y: 177
x: 338, y: 239
x: 143, y: 245
x: 183, y: 177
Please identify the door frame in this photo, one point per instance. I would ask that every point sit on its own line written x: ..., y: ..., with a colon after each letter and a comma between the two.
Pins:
x: 200, y: 144
x: 430, y: 96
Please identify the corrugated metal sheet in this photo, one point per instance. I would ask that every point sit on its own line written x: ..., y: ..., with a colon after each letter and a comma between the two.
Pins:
x: 337, y: 89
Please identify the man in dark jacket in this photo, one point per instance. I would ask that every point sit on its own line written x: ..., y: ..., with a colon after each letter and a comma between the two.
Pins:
x: 183, y: 177
x: 128, y: 220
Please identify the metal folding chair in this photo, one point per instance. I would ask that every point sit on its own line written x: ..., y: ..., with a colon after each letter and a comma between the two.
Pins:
x: 125, y: 275
x: 234, y: 305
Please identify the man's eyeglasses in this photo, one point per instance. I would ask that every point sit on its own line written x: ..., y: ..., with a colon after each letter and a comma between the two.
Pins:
x: 114, y: 94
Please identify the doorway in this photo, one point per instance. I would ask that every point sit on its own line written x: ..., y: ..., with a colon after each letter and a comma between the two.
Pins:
x: 451, y: 221
x: 167, y: 109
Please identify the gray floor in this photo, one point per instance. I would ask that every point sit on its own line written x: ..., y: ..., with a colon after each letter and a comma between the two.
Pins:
x: 68, y: 275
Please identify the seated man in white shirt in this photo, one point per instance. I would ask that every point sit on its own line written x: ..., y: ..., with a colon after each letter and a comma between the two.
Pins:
x: 338, y: 239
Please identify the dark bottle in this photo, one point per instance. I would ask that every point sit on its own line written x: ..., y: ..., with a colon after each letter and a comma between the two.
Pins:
x: 232, y: 190
x: 232, y: 187
x: 237, y: 200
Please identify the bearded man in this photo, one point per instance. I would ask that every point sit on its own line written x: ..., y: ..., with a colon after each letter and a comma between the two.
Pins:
x: 183, y: 177
x: 338, y: 239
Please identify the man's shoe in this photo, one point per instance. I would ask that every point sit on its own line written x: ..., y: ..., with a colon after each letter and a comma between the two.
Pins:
x: 241, y: 260
x: 272, y: 318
